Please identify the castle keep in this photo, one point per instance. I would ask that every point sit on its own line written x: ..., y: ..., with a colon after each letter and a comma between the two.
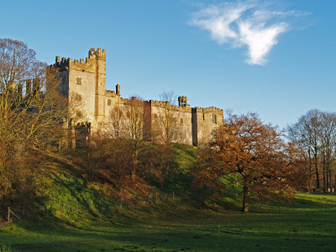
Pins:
x: 83, y: 83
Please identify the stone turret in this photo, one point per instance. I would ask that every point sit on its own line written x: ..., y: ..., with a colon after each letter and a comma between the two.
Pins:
x: 182, y: 101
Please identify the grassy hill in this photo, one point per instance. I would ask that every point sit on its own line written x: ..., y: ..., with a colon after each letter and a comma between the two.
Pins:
x: 73, y: 214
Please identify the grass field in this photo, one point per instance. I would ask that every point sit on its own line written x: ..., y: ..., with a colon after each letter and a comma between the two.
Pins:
x: 306, y: 225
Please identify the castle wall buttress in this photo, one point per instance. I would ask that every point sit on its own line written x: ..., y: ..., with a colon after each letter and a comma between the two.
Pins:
x: 100, y: 84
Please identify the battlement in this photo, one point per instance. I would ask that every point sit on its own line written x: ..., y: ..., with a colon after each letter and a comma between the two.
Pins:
x: 110, y: 93
x: 124, y: 100
x: 98, y: 54
x: 208, y: 110
x: 63, y: 64
x: 165, y: 104
x: 159, y: 103
x: 182, y: 101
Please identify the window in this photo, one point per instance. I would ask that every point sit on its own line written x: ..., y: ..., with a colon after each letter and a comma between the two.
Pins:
x: 109, y: 102
x: 213, y: 118
x: 79, y: 81
x: 173, y: 120
x: 78, y: 97
x: 181, y: 120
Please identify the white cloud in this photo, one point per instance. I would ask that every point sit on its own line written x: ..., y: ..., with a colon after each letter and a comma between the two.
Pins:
x: 251, y: 24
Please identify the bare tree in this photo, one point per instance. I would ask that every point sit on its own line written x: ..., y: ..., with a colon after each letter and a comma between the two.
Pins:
x: 328, y: 139
x: 166, y: 122
x: 31, y: 110
x: 128, y: 121
x: 315, y: 133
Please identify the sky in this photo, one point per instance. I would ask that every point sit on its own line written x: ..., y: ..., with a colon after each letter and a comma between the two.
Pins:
x: 276, y: 58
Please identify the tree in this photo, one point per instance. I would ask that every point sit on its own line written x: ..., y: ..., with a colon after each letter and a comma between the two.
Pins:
x: 265, y: 164
x: 41, y: 107
x: 315, y: 132
x: 157, y: 162
x: 166, y: 125
x: 130, y: 121
x: 328, y: 146
x: 31, y: 111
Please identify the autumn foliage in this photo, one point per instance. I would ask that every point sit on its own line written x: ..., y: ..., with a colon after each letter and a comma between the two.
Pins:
x: 31, y: 111
x: 127, y: 151
x: 267, y: 166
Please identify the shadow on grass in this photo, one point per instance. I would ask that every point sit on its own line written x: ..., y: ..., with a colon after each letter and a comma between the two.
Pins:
x: 222, y: 233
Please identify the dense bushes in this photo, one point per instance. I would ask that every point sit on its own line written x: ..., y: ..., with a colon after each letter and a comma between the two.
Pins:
x: 124, y: 160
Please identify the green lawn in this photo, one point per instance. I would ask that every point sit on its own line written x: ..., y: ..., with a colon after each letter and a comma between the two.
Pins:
x: 306, y: 225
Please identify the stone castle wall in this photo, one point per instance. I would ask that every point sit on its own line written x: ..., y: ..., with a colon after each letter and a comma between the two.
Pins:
x: 180, y: 117
x: 84, y: 83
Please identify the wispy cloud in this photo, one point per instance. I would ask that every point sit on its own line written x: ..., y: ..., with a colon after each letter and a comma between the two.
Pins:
x: 253, y: 24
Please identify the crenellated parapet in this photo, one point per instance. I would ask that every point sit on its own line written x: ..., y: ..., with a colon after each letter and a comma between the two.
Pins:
x: 89, y: 64
x: 124, y: 100
x: 207, y: 110
x: 61, y: 64
x: 161, y: 104
x: 97, y: 54
x: 182, y: 101
x: 166, y: 104
x: 110, y: 93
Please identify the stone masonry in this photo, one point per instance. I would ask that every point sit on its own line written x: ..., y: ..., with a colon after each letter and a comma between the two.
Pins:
x: 84, y: 81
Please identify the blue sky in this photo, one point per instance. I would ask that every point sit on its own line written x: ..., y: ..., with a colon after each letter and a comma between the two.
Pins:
x: 277, y: 58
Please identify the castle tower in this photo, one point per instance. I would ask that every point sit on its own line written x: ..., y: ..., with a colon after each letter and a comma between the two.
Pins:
x: 84, y: 81
x: 205, y: 121
x: 99, y: 57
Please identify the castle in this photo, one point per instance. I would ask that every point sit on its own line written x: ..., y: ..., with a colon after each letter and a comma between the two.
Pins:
x: 84, y: 81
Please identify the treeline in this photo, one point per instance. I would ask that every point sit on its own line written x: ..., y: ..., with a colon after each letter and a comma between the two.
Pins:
x: 315, y: 133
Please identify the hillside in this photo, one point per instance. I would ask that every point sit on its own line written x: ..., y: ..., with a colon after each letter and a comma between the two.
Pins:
x: 79, y: 215
x: 64, y: 192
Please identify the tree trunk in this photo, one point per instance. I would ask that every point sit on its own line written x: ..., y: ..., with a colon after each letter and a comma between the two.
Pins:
x: 310, y: 170
x: 316, y: 170
x: 325, y: 178
x: 245, y: 199
x: 330, y: 180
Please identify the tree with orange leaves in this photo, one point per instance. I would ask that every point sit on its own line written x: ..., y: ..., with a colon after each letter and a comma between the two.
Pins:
x: 267, y: 166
